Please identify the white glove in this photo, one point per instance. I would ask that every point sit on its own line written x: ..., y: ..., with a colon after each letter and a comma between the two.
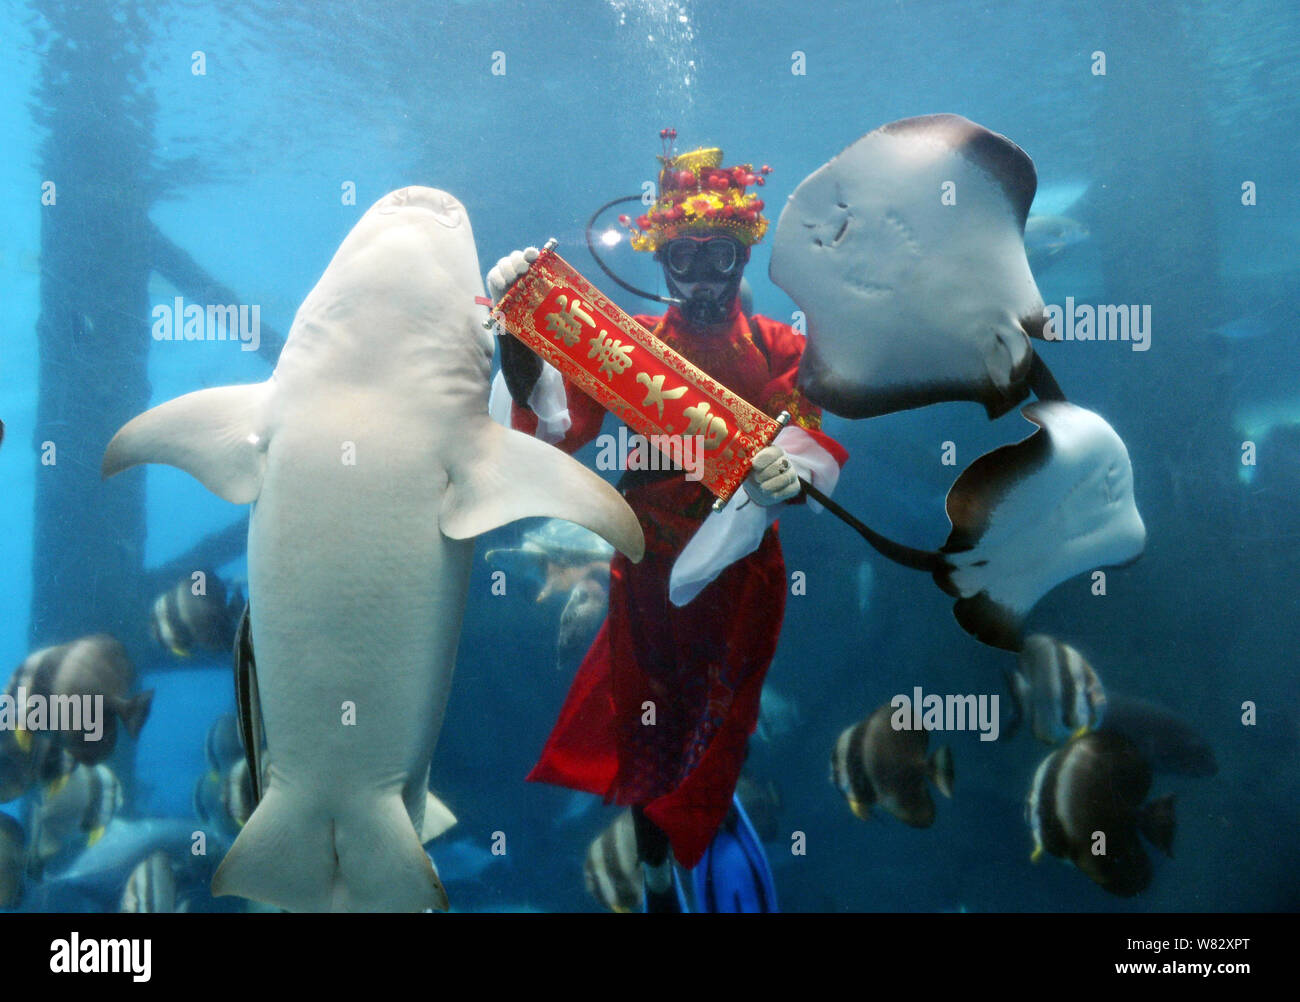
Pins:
x: 772, y: 479
x: 509, y: 270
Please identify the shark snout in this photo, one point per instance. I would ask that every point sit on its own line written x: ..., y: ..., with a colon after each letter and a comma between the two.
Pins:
x: 445, y: 209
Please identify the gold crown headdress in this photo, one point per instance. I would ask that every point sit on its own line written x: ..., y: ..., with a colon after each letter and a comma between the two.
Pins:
x: 697, y: 193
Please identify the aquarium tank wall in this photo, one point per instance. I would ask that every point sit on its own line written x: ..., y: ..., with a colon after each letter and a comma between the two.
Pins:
x: 1042, y: 664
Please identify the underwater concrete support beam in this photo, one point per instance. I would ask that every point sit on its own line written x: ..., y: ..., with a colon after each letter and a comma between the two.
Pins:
x: 211, y: 551
x: 176, y: 265
x: 92, y: 329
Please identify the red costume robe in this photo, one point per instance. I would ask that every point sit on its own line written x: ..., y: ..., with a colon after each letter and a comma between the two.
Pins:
x: 665, y: 700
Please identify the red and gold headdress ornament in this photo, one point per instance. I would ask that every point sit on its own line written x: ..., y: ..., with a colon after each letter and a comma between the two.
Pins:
x: 697, y: 193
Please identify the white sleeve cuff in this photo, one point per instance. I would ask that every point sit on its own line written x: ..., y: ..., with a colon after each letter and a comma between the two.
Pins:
x: 499, y: 400
x: 725, y: 537
x: 810, y: 461
x: 549, y: 402
x: 735, y: 532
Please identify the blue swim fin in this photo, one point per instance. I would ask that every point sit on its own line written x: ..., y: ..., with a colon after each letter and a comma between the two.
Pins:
x: 733, y: 875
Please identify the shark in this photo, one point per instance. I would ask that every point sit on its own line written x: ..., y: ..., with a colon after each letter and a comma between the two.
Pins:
x: 370, y: 463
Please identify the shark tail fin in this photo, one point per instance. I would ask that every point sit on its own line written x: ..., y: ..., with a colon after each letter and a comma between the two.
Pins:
x: 367, y: 858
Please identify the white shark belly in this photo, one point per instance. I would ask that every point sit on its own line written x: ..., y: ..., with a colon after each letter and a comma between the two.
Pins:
x: 357, y: 599
x: 357, y: 602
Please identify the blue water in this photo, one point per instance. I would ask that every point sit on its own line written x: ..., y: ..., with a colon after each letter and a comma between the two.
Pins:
x: 243, y: 167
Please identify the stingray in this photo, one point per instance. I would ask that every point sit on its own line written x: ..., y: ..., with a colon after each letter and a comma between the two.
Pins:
x: 906, y: 255
x: 1028, y: 516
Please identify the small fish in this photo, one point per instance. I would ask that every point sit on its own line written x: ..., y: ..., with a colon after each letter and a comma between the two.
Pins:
x: 223, y: 746
x: 100, y: 872
x: 562, y: 558
x: 463, y: 860
x: 38, y: 759
x: 1059, y: 197
x: 237, y: 793
x: 612, y: 872
x: 13, y: 858
x: 1047, y: 236
x: 778, y: 715
x: 583, y: 613
x: 1168, y: 742
x: 875, y: 765
x: 15, y: 767
x: 151, y: 886
x: 1057, y: 690
x: 1092, y: 787
x: 225, y: 799
x: 185, y: 622
x: 73, y: 812
x: 95, y: 666
x: 558, y: 555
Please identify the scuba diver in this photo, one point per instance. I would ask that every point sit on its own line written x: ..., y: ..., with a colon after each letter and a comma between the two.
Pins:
x: 660, y: 712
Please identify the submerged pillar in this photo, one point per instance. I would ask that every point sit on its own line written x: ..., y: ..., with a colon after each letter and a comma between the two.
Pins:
x: 93, y: 328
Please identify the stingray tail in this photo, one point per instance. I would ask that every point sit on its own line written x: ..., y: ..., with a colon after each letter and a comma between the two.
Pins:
x: 906, y: 556
x: 1041, y: 380
x: 295, y: 855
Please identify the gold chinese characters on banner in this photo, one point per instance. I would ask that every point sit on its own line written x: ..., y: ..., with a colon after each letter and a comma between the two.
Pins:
x: 630, y: 372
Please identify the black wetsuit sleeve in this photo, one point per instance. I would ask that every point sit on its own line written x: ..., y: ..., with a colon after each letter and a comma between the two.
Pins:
x: 521, y: 368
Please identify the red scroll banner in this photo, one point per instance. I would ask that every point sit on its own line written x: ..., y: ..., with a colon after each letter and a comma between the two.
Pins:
x: 630, y: 372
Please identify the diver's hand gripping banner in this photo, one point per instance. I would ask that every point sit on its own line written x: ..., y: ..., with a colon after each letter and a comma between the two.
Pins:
x: 630, y: 372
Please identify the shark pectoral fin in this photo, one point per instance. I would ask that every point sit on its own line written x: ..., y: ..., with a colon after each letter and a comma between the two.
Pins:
x: 218, y: 436
x: 503, y: 475
x: 437, y: 819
